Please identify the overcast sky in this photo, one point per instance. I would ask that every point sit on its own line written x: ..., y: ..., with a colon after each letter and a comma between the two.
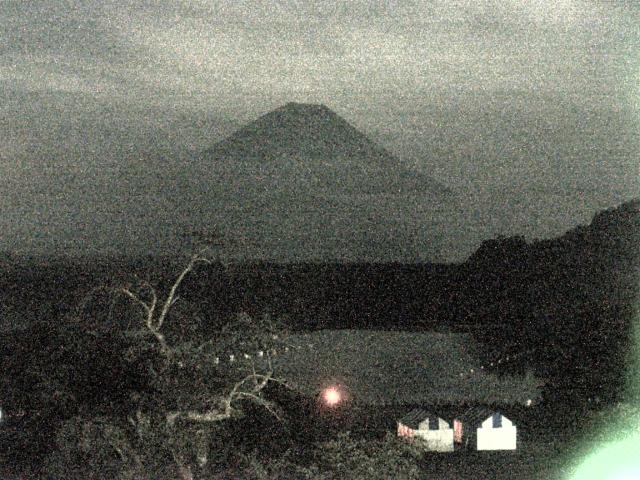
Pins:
x: 475, y: 93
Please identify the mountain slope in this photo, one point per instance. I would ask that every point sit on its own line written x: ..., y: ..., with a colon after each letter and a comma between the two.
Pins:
x: 304, y: 184
x: 302, y: 146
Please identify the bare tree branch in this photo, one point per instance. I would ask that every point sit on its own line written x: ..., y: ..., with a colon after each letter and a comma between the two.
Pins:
x: 196, y: 258
x: 236, y: 393
x: 150, y: 309
x: 269, y: 406
x: 135, y: 298
x: 208, y: 403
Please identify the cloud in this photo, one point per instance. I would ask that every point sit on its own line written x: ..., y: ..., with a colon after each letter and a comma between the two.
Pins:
x: 219, y: 49
x: 419, y: 47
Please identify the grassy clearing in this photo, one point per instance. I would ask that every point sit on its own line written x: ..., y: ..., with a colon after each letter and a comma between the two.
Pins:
x: 386, y: 368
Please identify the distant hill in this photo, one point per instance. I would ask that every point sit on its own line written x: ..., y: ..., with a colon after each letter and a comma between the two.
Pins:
x: 571, y: 302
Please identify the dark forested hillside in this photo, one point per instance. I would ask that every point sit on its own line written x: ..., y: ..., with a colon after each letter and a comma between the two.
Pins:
x: 564, y: 305
x: 568, y: 302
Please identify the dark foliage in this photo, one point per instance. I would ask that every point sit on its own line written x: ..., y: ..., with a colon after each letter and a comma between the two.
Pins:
x: 564, y: 306
x: 569, y: 303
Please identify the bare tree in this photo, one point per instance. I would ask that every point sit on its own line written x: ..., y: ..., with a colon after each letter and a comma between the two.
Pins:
x: 193, y: 387
x: 154, y: 319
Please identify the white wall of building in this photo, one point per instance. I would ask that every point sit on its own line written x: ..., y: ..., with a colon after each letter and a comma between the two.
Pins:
x: 503, y: 438
x: 436, y: 440
x: 442, y: 424
x: 440, y: 440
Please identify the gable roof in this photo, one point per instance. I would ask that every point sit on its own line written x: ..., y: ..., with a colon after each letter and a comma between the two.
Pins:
x: 397, y: 368
x: 416, y: 416
x: 476, y: 415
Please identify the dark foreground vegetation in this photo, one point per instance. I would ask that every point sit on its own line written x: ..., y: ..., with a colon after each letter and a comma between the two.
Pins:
x: 88, y: 383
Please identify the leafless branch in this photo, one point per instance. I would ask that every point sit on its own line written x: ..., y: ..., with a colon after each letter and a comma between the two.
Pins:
x: 257, y: 387
x: 204, y: 417
x: 269, y: 362
x: 155, y: 324
x: 210, y: 406
x: 269, y: 406
x: 136, y: 299
x: 195, y: 259
x: 150, y: 309
x: 226, y: 403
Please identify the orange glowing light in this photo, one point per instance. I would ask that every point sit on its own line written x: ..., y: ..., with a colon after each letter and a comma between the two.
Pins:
x: 331, y: 396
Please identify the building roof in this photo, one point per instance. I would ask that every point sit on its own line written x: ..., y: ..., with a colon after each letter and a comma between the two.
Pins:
x: 415, y: 416
x: 473, y: 415
x: 476, y: 415
x: 397, y: 368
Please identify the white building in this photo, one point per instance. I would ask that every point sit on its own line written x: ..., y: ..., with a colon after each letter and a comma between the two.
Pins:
x: 484, y: 429
x: 497, y: 433
x: 433, y: 432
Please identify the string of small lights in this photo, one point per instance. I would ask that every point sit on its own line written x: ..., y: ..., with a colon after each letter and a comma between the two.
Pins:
x: 240, y: 355
x: 498, y: 361
x: 275, y: 352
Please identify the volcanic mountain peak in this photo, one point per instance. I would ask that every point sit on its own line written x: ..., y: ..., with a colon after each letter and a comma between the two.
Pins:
x: 312, y: 141
x: 298, y: 129
x: 307, y: 112
x: 307, y: 107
